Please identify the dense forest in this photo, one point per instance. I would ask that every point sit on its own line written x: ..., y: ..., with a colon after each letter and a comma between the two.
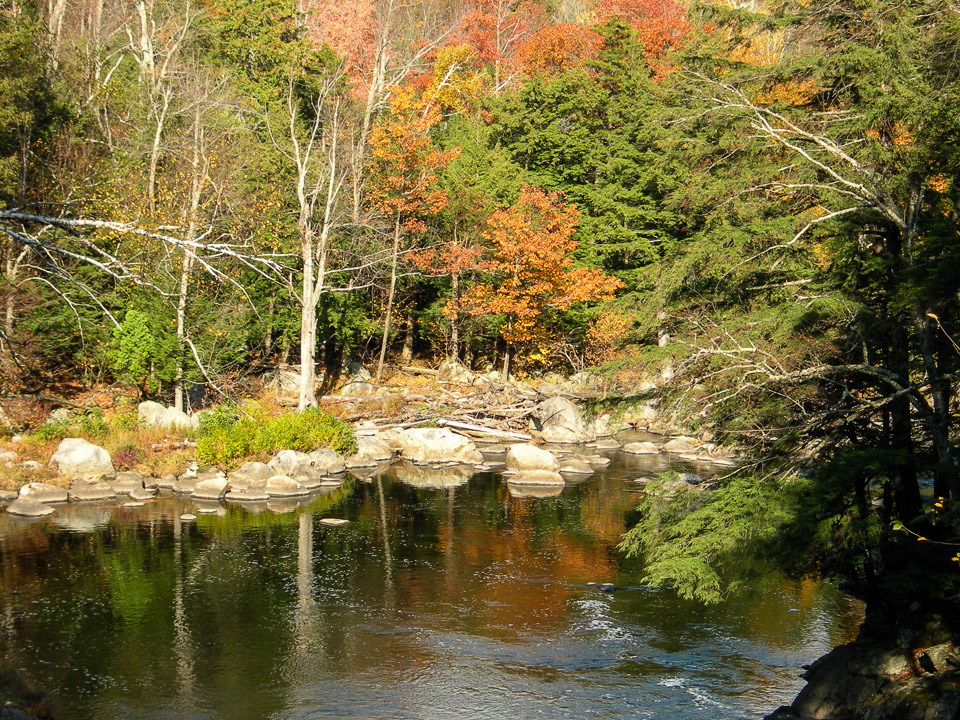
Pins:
x: 753, y: 205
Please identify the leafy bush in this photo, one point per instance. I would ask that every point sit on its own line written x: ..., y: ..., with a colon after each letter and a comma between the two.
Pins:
x: 51, y: 431
x: 127, y: 456
x: 219, y: 417
x: 92, y: 424
x: 224, y: 444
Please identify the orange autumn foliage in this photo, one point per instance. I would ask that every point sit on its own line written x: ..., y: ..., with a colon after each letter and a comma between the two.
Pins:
x: 558, y: 48
x: 532, y: 265
x: 405, y: 162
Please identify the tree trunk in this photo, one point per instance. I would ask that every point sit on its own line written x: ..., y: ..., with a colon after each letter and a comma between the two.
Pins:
x: 455, y: 320
x: 407, y: 355
x: 308, y: 323
x: 393, y: 287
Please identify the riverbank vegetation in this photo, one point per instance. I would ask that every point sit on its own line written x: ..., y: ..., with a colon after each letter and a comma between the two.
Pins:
x: 754, y: 207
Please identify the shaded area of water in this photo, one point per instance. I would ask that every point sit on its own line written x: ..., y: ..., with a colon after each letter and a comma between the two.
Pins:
x: 433, y: 603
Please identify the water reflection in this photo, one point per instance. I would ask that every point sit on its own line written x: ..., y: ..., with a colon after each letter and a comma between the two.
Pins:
x: 439, y: 599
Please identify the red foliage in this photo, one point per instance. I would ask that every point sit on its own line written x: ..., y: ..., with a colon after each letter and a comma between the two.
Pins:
x: 661, y: 26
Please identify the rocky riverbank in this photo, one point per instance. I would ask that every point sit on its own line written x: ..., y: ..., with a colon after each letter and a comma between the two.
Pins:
x: 908, y: 670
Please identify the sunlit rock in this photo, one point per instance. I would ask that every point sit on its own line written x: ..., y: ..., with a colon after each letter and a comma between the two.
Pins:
x: 79, y: 458
x: 526, y: 456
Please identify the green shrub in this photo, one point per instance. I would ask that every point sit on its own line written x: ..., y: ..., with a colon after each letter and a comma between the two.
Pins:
x: 51, y: 431
x: 92, y: 424
x: 225, y: 444
x: 219, y: 417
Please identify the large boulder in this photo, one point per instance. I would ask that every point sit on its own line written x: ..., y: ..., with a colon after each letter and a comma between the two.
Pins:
x: 250, y: 476
x: 43, y: 492
x: 328, y: 462
x: 370, y: 451
x: 77, y: 457
x: 286, y: 461
x: 435, y: 445
x: 526, y: 456
x: 153, y: 414
x: 559, y: 421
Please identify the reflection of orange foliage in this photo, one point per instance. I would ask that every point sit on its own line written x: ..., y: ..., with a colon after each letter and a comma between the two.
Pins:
x: 558, y: 48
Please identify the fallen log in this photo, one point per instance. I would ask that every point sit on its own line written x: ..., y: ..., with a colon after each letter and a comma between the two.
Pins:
x: 419, y: 370
x: 479, y: 429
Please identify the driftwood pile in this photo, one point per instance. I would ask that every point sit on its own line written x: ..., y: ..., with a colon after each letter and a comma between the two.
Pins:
x: 499, y: 412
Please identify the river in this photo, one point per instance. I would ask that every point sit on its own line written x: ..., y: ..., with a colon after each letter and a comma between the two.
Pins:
x: 445, y: 596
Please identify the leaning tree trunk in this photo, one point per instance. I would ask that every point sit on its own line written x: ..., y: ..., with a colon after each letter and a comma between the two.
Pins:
x: 393, y: 287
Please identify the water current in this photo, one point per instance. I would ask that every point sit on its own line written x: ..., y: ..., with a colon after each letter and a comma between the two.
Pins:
x: 445, y: 596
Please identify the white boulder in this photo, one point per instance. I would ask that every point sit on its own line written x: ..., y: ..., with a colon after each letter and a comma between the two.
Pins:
x: 76, y: 456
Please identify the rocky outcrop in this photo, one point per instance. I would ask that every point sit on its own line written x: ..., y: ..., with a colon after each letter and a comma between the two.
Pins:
x: 558, y: 421
x: 153, y: 414
x: 872, y: 679
x: 79, y: 458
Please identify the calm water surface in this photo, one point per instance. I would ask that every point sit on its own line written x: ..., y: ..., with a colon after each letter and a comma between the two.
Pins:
x: 444, y: 597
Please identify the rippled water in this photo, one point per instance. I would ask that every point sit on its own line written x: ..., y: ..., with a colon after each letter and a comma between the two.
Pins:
x: 461, y: 601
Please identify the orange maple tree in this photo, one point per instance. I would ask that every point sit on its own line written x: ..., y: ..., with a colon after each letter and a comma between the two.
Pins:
x: 403, y: 175
x: 531, y: 269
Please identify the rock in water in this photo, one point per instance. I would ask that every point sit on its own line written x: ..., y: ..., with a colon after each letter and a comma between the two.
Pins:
x: 284, y: 486
x: 285, y: 461
x: 43, y: 492
x: 641, y: 448
x: 27, y: 507
x: 526, y: 456
x: 432, y: 445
